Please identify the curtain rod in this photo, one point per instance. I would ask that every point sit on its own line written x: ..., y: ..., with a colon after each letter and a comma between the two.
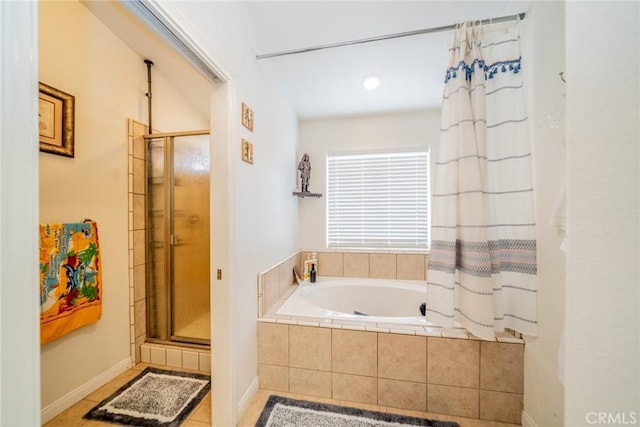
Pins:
x: 387, y: 37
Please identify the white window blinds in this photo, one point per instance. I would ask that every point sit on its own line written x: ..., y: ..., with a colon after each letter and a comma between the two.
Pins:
x: 378, y: 200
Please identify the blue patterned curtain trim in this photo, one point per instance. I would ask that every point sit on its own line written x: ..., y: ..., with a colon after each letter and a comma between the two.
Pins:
x: 489, y: 70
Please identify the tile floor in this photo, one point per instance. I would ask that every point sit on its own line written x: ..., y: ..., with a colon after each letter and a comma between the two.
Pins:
x: 254, y: 409
x: 201, y: 416
x: 72, y: 417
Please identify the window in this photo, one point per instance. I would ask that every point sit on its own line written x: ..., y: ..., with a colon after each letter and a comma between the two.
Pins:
x: 378, y: 200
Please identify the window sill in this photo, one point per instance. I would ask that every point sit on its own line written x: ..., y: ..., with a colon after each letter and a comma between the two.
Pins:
x: 373, y: 250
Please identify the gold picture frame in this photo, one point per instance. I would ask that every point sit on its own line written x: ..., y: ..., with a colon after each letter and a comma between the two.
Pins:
x: 247, y: 151
x: 56, y: 121
x: 247, y: 117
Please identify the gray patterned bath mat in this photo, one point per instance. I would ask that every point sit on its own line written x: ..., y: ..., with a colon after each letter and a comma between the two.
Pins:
x: 156, y: 397
x: 281, y: 411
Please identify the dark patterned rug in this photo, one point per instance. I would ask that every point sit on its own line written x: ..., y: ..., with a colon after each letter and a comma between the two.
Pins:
x: 156, y: 397
x: 281, y: 411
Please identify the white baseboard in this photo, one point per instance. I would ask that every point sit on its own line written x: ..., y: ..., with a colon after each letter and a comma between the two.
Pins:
x: 246, y: 399
x: 527, y: 421
x: 76, y: 395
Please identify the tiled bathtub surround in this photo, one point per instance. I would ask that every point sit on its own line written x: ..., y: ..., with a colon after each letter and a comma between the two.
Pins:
x: 464, y: 377
x: 422, y: 368
x: 275, y: 282
x: 375, y: 265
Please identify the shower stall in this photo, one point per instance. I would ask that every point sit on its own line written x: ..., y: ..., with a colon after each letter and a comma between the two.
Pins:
x: 178, y: 279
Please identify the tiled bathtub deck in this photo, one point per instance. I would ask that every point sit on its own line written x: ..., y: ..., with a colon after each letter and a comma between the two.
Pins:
x: 426, y: 331
x: 353, y: 325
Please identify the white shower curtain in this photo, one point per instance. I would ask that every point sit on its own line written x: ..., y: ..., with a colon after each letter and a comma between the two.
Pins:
x: 482, y: 264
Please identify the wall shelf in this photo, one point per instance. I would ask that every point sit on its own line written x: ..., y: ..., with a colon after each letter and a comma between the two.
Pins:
x: 303, y: 194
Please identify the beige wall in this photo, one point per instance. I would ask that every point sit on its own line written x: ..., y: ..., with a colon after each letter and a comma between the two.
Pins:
x: 80, y: 56
x: 318, y: 137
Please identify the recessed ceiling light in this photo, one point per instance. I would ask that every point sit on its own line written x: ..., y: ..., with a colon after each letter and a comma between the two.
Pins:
x: 371, y: 82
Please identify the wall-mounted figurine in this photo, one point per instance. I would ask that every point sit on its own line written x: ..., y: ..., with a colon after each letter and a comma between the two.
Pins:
x: 304, y: 166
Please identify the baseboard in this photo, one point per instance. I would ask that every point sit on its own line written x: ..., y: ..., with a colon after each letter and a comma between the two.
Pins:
x: 76, y: 395
x: 527, y: 421
x: 246, y: 399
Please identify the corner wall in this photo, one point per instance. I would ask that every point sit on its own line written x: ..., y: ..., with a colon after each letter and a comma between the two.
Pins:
x: 348, y: 134
x: 80, y: 56
x: 542, y: 47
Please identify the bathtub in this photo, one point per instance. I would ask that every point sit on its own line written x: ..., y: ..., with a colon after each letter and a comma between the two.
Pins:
x: 368, y: 300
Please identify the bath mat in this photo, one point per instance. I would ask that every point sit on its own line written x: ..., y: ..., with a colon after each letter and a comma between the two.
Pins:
x: 281, y: 411
x: 156, y: 397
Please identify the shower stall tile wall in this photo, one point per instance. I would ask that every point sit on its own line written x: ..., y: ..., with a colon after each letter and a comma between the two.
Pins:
x: 137, y: 237
x: 176, y: 357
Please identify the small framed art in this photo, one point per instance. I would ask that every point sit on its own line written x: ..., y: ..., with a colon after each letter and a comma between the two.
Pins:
x: 56, y: 116
x: 247, y: 117
x: 247, y: 151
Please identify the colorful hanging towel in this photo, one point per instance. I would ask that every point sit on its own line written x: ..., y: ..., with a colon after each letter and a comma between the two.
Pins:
x: 70, y: 278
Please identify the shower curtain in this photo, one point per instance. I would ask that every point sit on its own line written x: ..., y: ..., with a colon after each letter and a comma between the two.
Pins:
x: 482, y: 263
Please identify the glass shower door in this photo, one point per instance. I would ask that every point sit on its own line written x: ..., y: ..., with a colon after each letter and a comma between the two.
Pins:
x: 190, y: 239
x: 178, y: 200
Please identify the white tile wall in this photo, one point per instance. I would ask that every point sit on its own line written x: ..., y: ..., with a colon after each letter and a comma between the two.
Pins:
x: 190, y: 360
x: 205, y: 362
x: 176, y: 357
x: 145, y: 354
x: 158, y: 356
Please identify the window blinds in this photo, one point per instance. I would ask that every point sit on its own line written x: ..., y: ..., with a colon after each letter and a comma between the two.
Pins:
x: 378, y: 200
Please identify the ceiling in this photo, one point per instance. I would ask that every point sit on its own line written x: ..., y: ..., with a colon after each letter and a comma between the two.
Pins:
x: 329, y: 82
x: 168, y: 63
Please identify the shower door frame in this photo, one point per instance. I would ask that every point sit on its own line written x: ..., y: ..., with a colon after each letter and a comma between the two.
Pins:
x: 170, y: 238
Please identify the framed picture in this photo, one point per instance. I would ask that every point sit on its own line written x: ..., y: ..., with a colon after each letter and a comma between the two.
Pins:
x: 247, y: 117
x: 56, y: 110
x: 247, y: 151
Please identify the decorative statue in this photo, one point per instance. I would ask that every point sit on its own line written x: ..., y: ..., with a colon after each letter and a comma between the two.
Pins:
x: 305, y: 173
